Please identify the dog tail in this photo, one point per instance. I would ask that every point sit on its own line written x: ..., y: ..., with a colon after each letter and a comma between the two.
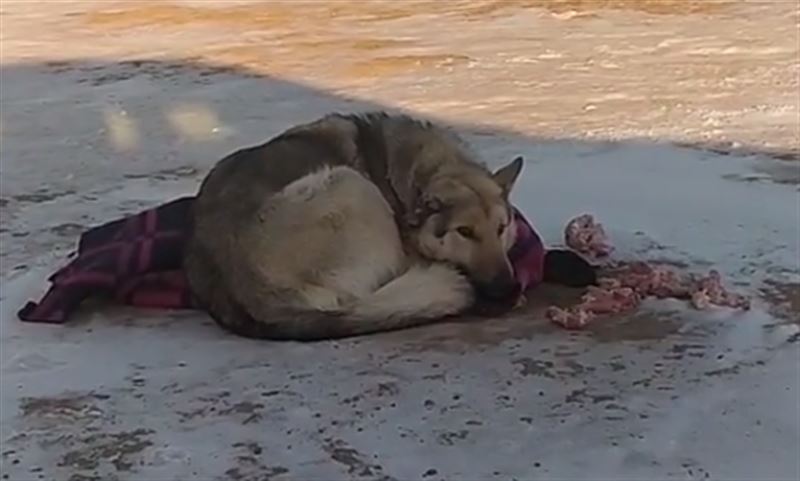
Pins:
x: 568, y: 268
x: 422, y: 295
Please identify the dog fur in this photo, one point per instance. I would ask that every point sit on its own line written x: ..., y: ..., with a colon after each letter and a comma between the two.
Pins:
x: 350, y: 225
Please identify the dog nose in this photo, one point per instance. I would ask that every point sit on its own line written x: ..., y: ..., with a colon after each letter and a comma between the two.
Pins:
x: 501, y: 287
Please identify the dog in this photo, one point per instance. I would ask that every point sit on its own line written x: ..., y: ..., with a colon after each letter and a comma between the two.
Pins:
x: 350, y: 225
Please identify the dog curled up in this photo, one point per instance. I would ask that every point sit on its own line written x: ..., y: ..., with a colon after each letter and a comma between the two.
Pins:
x: 350, y: 225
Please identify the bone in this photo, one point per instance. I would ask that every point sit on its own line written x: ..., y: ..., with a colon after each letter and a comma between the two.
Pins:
x: 585, y: 236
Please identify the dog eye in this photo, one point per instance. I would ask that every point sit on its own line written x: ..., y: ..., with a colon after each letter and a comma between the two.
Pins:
x: 466, y: 232
x: 500, y: 230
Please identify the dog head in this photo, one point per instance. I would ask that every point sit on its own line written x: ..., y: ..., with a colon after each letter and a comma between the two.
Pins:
x: 464, y: 218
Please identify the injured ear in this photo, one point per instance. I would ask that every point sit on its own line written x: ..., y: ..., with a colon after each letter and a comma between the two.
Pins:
x: 425, y: 207
x: 431, y: 205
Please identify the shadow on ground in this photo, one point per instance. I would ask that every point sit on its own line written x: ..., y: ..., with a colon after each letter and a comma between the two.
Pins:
x: 84, y: 142
x: 75, y: 131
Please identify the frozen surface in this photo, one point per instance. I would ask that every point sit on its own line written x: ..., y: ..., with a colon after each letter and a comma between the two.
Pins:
x: 108, y: 108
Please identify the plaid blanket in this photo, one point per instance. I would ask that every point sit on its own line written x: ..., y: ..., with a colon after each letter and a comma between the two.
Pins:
x: 137, y: 260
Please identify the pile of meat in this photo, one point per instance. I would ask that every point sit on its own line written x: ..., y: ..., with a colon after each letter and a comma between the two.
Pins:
x: 625, y: 287
x: 588, y: 237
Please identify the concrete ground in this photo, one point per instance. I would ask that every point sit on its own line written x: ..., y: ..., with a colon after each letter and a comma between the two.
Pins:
x: 673, y: 121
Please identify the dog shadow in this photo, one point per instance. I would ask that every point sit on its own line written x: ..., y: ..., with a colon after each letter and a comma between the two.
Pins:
x: 88, y: 140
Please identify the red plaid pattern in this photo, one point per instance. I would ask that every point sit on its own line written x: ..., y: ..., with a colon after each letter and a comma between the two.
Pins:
x: 134, y: 260
x: 137, y: 261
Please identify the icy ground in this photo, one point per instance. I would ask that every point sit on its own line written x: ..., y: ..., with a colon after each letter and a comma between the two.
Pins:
x: 110, y: 107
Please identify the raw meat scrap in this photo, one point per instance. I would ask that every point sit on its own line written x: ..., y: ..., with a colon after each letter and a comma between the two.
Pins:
x: 662, y: 282
x: 668, y: 283
x: 610, y: 299
x: 650, y: 280
x: 582, y: 234
x: 700, y: 300
x: 627, y: 286
x: 709, y: 290
x: 569, y: 318
x: 629, y: 283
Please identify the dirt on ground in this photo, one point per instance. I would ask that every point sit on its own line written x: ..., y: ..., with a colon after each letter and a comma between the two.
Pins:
x: 675, y: 122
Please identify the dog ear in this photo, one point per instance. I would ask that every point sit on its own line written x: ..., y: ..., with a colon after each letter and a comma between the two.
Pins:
x: 431, y: 205
x: 426, y: 206
x: 506, y: 176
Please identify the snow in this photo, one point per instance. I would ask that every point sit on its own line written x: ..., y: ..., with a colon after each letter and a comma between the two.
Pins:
x: 667, y: 393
